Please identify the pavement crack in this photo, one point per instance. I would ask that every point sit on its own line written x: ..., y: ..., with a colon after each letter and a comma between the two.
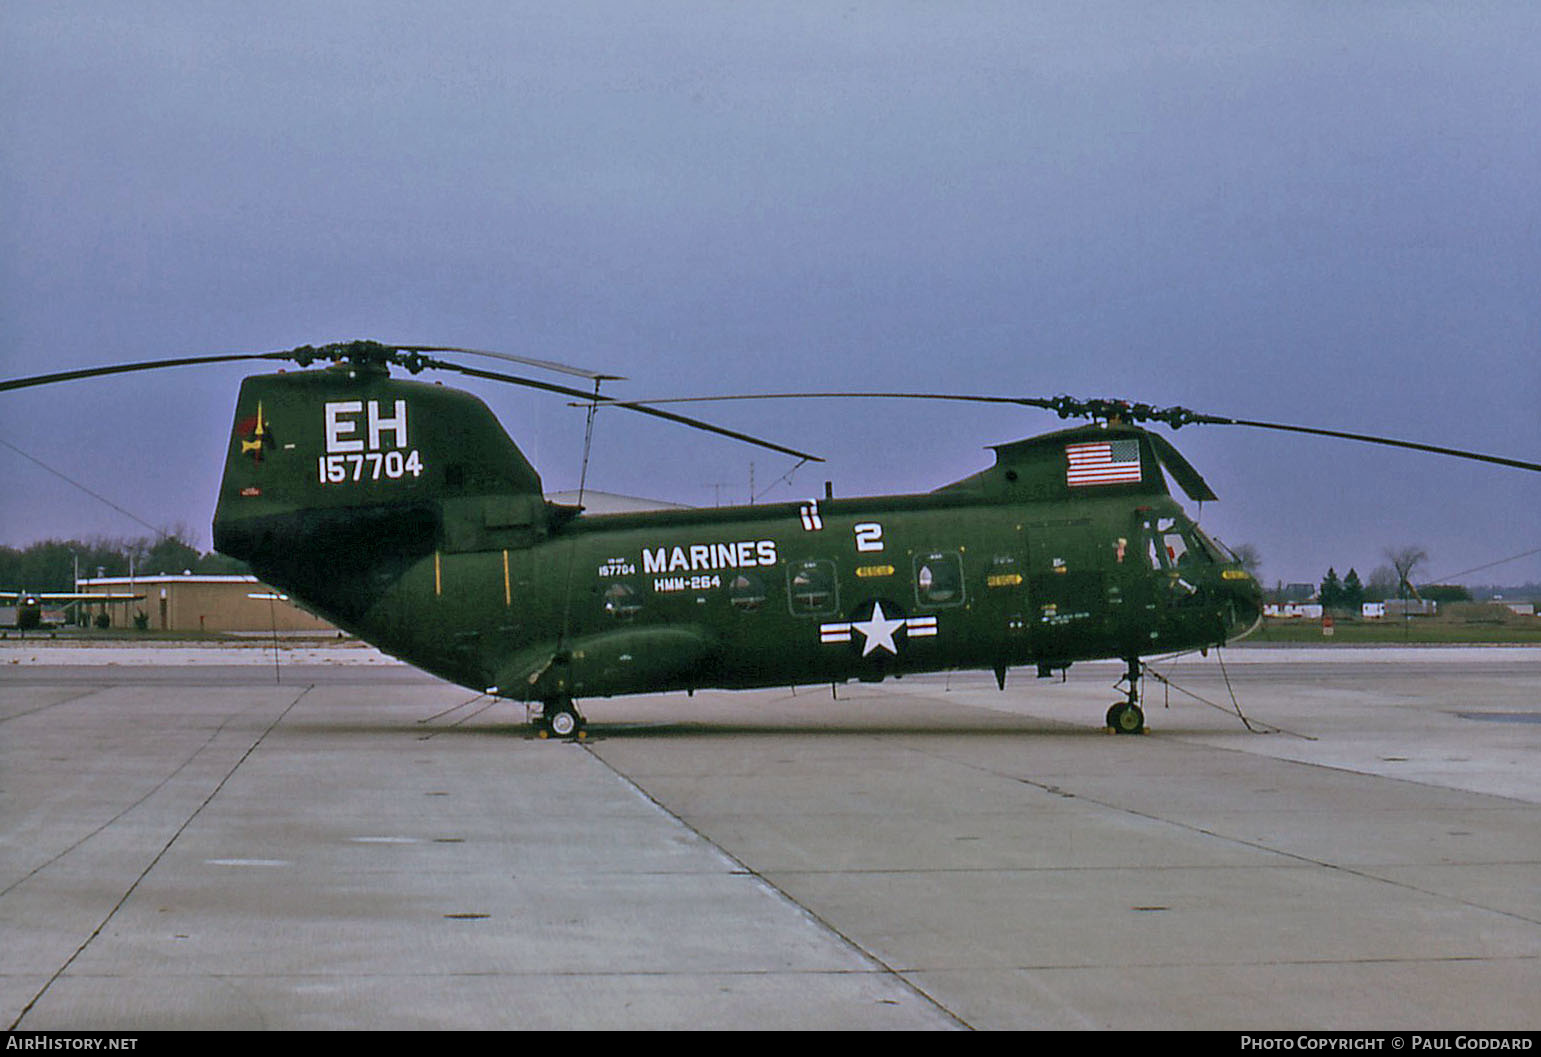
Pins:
x: 129, y: 891
x: 53, y: 704
x: 745, y: 869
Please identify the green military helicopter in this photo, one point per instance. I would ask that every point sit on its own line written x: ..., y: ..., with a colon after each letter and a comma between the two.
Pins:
x: 402, y: 512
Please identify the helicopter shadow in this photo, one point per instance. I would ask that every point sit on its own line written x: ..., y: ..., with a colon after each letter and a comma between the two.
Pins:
x: 705, y: 730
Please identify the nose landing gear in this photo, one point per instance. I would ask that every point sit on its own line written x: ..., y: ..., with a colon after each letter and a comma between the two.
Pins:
x: 1126, y: 717
x: 560, y: 719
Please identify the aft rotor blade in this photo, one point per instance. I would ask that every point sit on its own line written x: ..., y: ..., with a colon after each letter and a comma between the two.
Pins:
x: 1499, y: 460
x: 694, y: 423
x: 127, y: 368
x: 528, y: 361
x: 413, y: 360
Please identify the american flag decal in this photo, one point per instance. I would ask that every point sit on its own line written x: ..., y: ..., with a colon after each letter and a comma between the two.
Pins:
x: 1102, y: 462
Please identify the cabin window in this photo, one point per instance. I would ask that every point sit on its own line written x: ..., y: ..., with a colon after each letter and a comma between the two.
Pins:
x: 812, y: 588
x: 622, y: 600
x: 747, y: 592
x: 939, y: 579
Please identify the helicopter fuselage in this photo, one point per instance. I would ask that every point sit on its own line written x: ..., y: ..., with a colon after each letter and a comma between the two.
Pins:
x: 814, y: 592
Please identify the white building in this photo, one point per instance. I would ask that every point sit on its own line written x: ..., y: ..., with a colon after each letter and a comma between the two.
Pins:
x: 1294, y: 610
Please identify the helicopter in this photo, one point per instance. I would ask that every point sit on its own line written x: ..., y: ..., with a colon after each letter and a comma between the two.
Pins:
x: 404, y: 513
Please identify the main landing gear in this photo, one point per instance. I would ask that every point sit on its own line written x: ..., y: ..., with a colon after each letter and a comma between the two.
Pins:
x: 561, y: 719
x: 1125, y: 717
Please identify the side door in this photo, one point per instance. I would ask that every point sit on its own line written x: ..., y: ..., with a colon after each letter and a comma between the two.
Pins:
x: 1067, y: 590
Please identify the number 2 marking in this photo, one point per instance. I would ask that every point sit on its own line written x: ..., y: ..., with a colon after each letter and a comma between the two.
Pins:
x: 869, y: 536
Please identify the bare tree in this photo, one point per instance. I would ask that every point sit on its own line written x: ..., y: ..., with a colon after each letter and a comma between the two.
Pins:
x: 1404, y: 560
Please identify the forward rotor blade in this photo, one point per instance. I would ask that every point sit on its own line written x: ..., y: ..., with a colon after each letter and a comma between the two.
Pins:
x: 1518, y: 464
x: 694, y: 423
x: 126, y: 368
x: 1067, y: 407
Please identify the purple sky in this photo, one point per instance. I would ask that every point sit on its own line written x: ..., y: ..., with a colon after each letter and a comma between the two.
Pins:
x: 1319, y: 214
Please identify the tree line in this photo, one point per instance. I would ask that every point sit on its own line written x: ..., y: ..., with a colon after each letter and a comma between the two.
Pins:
x: 1386, y: 582
x: 1394, y: 580
x: 50, y: 565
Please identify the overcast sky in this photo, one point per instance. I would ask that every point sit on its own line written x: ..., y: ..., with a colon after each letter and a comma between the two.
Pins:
x: 1311, y: 213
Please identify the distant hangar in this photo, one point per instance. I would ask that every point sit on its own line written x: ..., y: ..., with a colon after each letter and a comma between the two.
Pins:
x: 190, y: 602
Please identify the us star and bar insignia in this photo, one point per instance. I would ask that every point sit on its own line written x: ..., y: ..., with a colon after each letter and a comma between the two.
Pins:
x: 878, y: 630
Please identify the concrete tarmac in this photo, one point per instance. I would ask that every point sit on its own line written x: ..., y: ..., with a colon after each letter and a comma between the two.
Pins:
x: 186, y: 843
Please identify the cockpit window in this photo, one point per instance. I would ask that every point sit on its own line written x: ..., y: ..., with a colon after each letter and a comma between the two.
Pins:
x: 1176, y: 545
x: 1218, y: 551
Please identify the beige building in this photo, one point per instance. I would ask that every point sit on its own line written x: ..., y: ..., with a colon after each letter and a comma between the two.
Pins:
x: 202, y: 603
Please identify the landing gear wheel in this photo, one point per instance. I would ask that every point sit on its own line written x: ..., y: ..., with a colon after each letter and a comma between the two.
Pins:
x: 1126, y: 718
x: 562, y: 721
